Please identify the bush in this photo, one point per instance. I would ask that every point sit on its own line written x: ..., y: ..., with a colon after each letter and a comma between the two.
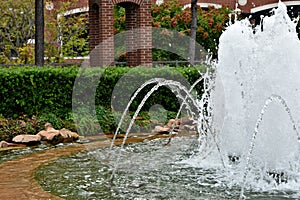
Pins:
x: 32, y: 91
x: 46, y: 93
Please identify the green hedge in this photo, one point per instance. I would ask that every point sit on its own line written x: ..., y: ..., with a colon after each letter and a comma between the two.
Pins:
x: 35, y: 91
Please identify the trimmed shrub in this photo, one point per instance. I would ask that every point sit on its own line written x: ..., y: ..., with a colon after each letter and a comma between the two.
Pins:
x: 32, y: 91
x: 47, y: 94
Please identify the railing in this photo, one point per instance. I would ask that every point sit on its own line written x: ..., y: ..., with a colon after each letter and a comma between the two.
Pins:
x: 32, y: 65
x: 172, y: 63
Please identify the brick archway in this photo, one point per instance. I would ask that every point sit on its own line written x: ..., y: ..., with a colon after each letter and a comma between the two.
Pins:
x: 138, y: 32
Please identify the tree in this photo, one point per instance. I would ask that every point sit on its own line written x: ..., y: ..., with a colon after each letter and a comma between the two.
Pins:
x: 210, y: 24
x: 193, y: 31
x: 39, y: 32
x: 17, y: 31
x: 16, y: 28
x: 75, y: 35
x: 66, y: 35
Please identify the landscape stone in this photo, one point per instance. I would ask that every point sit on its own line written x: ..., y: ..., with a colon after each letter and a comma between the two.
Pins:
x: 161, y: 130
x: 53, y: 136
x: 27, y: 139
x: 68, y: 135
x: 3, y: 144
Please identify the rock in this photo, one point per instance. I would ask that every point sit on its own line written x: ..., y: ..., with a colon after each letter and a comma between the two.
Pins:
x: 27, y: 139
x: 48, y: 127
x: 3, y: 144
x: 44, y: 135
x: 189, y: 127
x: 186, y: 121
x: 161, y: 130
x: 171, y: 121
x: 53, y: 136
x: 56, y: 139
x: 68, y: 135
x: 185, y: 124
x: 50, y: 135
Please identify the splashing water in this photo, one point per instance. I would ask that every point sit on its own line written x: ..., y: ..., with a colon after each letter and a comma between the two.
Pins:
x: 174, y: 85
x: 255, y: 106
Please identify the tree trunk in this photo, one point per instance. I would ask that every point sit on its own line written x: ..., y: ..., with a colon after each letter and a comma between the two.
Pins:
x: 193, y: 32
x: 39, y: 32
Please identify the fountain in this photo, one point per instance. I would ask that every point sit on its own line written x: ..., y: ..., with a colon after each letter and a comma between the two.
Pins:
x: 248, y: 121
x: 256, y: 99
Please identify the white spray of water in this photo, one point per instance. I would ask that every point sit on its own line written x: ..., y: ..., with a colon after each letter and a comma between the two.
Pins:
x: 254, y: 65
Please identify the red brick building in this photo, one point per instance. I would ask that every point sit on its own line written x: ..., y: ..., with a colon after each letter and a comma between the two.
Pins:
x: 246, y: 6
x: 138, y: 18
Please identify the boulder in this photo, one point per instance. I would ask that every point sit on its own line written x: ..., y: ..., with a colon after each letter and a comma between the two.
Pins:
x: 27, y: 139
x: 48, y: 127
x: 68, y: 135
x: 186, y: 121
x: 56, y: 139
x: 181, y: 125
x: 50, y: 135
x: 53, y: 136
x: 190, y: 128
x: 3, y: 144
x: 171, y: 121
x: 44, y: 135
x: 161, y: 130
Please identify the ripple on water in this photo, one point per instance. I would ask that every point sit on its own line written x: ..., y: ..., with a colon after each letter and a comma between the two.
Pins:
x: 147, y: 170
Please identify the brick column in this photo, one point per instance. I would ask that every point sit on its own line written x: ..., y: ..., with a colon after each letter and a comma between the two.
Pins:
x: 132, y: 35
x: 138, y: 33
x: 101, y: 33
x: 145, y: 40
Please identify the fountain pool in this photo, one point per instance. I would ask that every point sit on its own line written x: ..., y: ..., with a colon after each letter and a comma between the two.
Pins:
x: 149, y: 170
x: 250, y: 146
